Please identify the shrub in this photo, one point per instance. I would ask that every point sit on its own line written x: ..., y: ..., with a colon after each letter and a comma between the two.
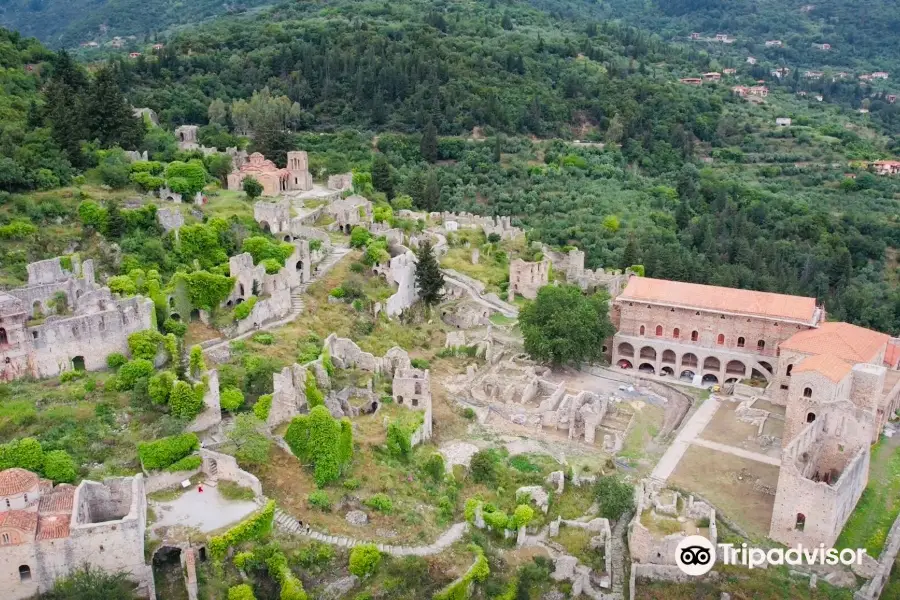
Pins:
x: 243, y: 310
x: 460, y: 589
x: 266, y: 339
x: 381, y: 503
x: 469, y: 413
x: 352, y: 484
x: 314, y: 397
x: 231, y: 399
x: 496, y: 520
x: 133, y: 370
x: 434, y: 466
x: 185, y: 401
x: 419, y: 363
x: 145, y: 344
x: 315, y: 554
x: 522, y: 516
x: 255, y: 527
x: 166, y: 451
x: 364, y: 560
x: 160, y: 387
x: 178, y: 328
x: 196, y: 363
x: 116, y: 360
x: 25, y: 453
x: 319, y: 499
x: 616, y: 497
x: 359, y: 237
x: 262, y: 407
x: 59, y: 466
x: 241, y: 592
x: 188, y: 463
x: 327, y: 364
x: 241, y: 559
x: 322, y: 440
x: 291, y: 586
x: 68, y: 376
x: 90, y: 385
x: 483, y: 467
x: 272, y: 266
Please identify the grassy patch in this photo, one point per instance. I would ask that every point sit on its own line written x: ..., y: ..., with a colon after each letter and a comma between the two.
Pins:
x: 647, y: 421
x: 232, y: 491
x: 573, y: 503
x: 501, y: 319
x: 879, y: 505
x: 229, y: 203
x: 577, y: 542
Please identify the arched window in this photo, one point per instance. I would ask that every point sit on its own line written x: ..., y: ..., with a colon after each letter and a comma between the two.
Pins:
x: 789, y: 369
x: 807, y: 392
x: 810, y: 417
x: 801, y: 522
x: 24, y: 573
x: 418, y: 388
x: 761, y: 345
x: 721, y: 339
x: 676, y: 333
x: 695, y: 336
x: 642, y: 330
x: 740, y: 343
x: 659, y: 331
x: 3, y: 339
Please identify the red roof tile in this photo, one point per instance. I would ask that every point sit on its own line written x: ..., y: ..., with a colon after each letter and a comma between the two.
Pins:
x: 23, y: 520
x: 60, y: 500
x: 828, y: 365
x: 16, y: 481
x: 53, y: 527
x: 842, y: 340
x: 719, y: 299
x: 892, y: 355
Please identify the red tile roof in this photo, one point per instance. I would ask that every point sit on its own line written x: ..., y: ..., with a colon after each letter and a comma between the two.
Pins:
x: 60, y: 500
x: 23, y: 520
x: 53, y: 527
x: 845, y: 341
x: 828, y: 365
x: 16, y: 481
x: 719, y: 299
x: 892, y: 356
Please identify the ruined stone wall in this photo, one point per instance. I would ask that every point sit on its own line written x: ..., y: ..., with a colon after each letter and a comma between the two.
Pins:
x: 212, y: 409
x: 299, y: 230
x: 288, y: 395
x: 402, y: 272
x: 341, y: 182
x: 170, y: 219
x: 873, y: 588
x: 411, y: 388
x: 526, y: 278
x: 274, y: 217
x: 345, y: 354
x: 92, y: 337
x: 226, y: 467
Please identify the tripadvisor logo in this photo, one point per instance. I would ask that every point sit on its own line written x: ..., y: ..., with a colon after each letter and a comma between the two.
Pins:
x: 695, y: 555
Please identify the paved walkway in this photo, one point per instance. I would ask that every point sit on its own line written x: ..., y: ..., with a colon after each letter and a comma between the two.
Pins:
x: 683, y: 440
x: 206, y: 510
x: 737, y: 451
x: 287, y: 523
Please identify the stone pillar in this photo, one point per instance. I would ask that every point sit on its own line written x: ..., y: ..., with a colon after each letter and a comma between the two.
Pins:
x: 475, y: 255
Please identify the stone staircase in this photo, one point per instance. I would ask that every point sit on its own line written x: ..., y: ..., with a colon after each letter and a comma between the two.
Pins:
x: 289, y: 524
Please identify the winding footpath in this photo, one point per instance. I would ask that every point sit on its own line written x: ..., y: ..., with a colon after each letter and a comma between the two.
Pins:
x: 289, y: 524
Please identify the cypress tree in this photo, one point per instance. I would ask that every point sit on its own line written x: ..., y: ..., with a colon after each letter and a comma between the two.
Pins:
x: 429, y: 144
x: 429, y: 279
x: 110, y: 117
x: 382, y: 179
x: 432, y: 196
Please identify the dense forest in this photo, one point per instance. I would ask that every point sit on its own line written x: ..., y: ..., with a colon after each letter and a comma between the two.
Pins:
x: 475, y: 106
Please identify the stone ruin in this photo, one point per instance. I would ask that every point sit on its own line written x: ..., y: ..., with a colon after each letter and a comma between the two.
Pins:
x: 341, y: 182
x: 39, y: 341
x: 653, y: 501
x: 274, y: 180
x: 400, y: 270
x: 349, y: 212
x: 526, y: 278
x: 170, y: 219
x: 572, y: 265
x: 466, y: 314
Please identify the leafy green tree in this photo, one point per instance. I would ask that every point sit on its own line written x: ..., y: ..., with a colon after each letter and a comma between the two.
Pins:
x: 359, y: 237
x: 364, y: 560
x: 160, y: 387
x: 109, y: 116
x: 219, y: 166
x: 252, y: 188
x: 616, y: 497
x: 25, y: 453
x: 59, y: 466
x: 428, y: 147
x: 217, y: 112
x: 429, y: 278
x: 242, y: 591
x: 252, y: 445
x: 186, y: 177
x: 431, y: 198
x: 197, y: 364
x: 231, y: 399
x: 562, y: 325
x: 382, y: 178
x: 184, y: 401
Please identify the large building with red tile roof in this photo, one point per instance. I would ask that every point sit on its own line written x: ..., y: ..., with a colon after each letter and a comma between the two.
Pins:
x: 839, y: 383
x: 46, y: 531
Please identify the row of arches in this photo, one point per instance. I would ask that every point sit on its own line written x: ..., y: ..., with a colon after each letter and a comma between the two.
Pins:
x: 669, y: 363
x: 695, y: 336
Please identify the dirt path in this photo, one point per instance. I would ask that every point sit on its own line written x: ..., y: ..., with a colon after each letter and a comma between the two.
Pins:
x: 666, y: 465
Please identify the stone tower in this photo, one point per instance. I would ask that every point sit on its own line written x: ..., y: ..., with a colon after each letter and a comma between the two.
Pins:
x: 298, y: 171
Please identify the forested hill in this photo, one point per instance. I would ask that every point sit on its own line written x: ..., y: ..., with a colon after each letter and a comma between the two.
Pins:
x: 66, y: 23
x: 863, y: 34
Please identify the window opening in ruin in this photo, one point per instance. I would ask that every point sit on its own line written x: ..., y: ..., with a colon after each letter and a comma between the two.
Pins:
x: 659, y: 331
x: 7, y: 503
x: 24, y: 573
x: 789, y: 369
x: 722, y: 317
x: 418, y: 388
x: 399, y: 399
x: 676, y: 333
x: 801, y: 522
x: 202, y: 553
x: 241, y: 289
x: 740, y: 342
x: 415, y: 401
x: 642, y: 330
x: 299, y: 265
x: 807, y: 392
x: 26, y: 498
x: 721, y: 339
x: 694, y: 336
x: 78, y: 363
x: 810, y: 417
x: 171, y: 301
x: 784, y: 387
x: 761, y: 345
x: 3, y: 339
x: 5, y: 538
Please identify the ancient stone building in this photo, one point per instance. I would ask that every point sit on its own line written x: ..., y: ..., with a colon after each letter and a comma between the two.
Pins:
x: 63, y: 320
x: 295, y: 177
x: 572, y: 266
x: 526, y: 278
x: 350, y: 212
x: 187, y: 137
x: 341, y: 182
x: 47, y: 532
x: 412, y: 388
x: 704, y: 333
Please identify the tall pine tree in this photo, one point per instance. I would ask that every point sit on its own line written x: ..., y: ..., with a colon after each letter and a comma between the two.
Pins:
x: 429, y: 279
x: 429, y: 144
x: 431, y: 198
x: 382, y: 179
x: 111, y: 119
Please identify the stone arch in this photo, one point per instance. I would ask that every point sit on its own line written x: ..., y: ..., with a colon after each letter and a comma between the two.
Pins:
x: 348, y: 228
x: 264, y: 225
x: 78, y: 363
x: 299, y: 266
x: 760, y: 345
x: 712, y: 363
x: 789, y: 369
x: 4, y: 339
x: 195, y: 314
x: 709, y: 378
x: 24, y: 573
x: 647, y: 368
x: 689, y: 360
x: 171, y: 301
x: 78, y: 294
x: 810, y: 417
x: 695, y: 336
x: 625, y: 364
x: 740, y: 342
x: 648, y: 353
x: 687, y: 375
x: 735, y: 367
x: 659, y: 330
x: 668, y: 356
x: 418, y: 387
x: 175, y: 316
x: 667, y: 372
x: 626, y: 349
x: 807, y: 392
x: 415, y: 401
x: 287, y: 238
